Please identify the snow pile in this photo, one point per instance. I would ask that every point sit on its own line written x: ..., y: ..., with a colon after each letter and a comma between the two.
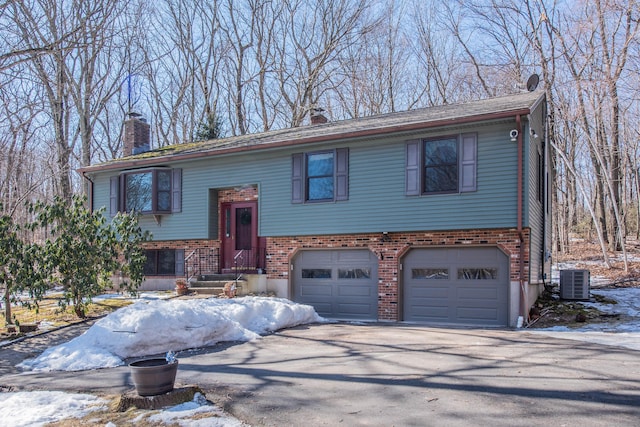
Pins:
x: 51, y: 406
x: 157, y: 326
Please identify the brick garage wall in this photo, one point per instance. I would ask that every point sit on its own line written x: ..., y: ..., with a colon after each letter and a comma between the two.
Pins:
x: 280, y: 251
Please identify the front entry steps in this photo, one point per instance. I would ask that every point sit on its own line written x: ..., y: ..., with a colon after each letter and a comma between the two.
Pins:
x: 214, y: 284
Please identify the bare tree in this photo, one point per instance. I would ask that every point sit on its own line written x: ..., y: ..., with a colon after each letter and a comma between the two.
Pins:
x: 376, y: 75
x: 312, y: 37
x: 595, y: 54
x: 182, y: 56
x: 21, y: 178
x: 267, y: 14
x: 77, y: 75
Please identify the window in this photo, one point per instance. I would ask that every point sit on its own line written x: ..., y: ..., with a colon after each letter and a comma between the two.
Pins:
x: 354, y: 273
x: 430, y: 273
x: 443, y: 165
x: 478, y: 273
x: 321, y: 176
x: 149, y: 191
x: 316, y: 273
x: 164, y: 262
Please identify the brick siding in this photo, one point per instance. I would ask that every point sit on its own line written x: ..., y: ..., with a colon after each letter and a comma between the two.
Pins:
x: 281, y: 250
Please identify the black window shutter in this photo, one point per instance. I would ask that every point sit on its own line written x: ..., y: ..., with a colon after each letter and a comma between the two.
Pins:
x: 114, y: 183
x: 412, y: 168
x: 179, y: 262
x: 122, y: 193
x: 342, y: 174
x: 297, y: 178
x: 176, y: 191
x: 468, y: 162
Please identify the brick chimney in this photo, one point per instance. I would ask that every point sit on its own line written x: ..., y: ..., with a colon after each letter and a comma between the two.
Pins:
x: 137, y: 135
x: 317, y: 117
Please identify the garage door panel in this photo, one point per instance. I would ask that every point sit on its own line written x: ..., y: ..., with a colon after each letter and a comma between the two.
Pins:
x: 346, y: 279
x: 321, y: 307
x: 472, y: 293
x: 352, y: 256
x: 478, y: 314
x: 480, y: 303
x: 430, y: 301
x: 353, y: 309
x: 431, y: 313
x: 456, y: 286
x: 310, y: 291
x: 349, y: 290
x: 430, y: 292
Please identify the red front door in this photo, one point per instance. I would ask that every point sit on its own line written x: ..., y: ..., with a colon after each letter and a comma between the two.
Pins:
x: 240, y: 236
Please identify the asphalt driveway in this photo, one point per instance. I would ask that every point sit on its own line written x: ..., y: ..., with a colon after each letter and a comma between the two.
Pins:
x: 397, y: 375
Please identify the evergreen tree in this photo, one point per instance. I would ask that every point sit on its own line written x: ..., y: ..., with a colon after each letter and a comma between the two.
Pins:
x: 210, y: 128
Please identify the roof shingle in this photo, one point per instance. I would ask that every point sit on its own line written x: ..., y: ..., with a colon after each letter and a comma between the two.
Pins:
x: 382, y: 124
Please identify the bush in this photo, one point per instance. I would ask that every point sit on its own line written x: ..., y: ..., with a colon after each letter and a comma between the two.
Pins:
x: 84, y: 251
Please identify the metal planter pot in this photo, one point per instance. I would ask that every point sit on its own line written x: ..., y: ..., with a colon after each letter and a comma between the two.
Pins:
x: 153, y: 376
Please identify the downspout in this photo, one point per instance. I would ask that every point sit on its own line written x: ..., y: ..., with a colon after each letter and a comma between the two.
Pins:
x: 523, y: 299
x: 89, y: 190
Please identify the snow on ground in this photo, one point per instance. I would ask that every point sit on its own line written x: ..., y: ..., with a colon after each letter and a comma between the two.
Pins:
x: 37, y: 408
x: 132, y: 331
x: 197, y: 413
x: 622, y: 333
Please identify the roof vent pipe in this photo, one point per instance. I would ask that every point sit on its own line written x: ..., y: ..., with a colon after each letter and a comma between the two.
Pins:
x: 317, y: 117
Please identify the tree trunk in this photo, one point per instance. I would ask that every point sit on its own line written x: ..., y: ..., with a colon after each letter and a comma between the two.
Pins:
x: 7, y: 306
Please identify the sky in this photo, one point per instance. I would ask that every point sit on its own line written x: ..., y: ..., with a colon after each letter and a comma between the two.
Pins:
x: 127, y: 333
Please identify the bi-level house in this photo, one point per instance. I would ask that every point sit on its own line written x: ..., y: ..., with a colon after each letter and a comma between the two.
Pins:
x: 438, y: 215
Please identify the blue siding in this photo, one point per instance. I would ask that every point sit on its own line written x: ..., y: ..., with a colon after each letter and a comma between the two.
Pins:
x: 377, y: 201
x: 535, y: 217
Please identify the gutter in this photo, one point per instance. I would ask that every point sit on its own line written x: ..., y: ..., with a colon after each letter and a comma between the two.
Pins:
x: 523, y: 299
x: 124, y: 164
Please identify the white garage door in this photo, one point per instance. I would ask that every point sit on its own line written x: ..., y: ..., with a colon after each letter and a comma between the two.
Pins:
x: 339, y: 284
x: 466, y: 286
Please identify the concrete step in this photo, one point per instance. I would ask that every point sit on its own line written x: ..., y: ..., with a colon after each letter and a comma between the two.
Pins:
x: 214, y: 284
x: 208, y: 290
x: 215, y: 277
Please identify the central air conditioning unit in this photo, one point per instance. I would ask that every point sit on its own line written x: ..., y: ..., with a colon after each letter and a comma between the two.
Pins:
x: 574, y: 284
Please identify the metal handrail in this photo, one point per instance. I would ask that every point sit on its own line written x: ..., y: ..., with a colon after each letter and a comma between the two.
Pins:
x: 186, y: 259
x: 202, y: 261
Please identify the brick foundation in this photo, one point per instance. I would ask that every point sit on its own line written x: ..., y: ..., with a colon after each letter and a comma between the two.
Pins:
x: 281, y: 250
x: 389, y: 250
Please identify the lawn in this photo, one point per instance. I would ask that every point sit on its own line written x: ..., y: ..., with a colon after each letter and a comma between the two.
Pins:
x: 49, y: 313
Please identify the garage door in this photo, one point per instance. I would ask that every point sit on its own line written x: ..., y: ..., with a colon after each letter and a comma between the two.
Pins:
x: 339, y: 284
x: 466, y: 286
